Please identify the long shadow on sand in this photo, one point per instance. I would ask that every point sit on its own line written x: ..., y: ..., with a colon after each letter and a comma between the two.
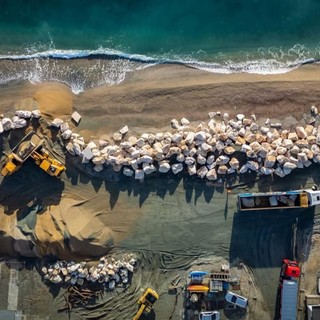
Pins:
x: 29, y: 185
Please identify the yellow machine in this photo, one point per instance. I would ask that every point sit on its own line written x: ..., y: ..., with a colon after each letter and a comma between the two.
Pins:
x: 146, y: 302
x: 31, y: 146
x: 51, y: 166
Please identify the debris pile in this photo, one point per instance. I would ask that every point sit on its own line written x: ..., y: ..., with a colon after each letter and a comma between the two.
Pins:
x: 109, y: 272
x: 76, y: 297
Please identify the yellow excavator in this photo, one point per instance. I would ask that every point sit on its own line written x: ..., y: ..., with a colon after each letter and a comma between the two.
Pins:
x: 146, y: 302
x: 31, y: 146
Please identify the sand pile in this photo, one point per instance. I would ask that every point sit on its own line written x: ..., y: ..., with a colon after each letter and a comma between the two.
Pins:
x: 54, y: 100
x: 65, y: 230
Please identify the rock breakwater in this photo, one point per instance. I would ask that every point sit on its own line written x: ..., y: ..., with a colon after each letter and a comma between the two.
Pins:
x: 210, y: 150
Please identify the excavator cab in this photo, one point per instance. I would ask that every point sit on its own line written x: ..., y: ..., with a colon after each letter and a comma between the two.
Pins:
x: 146, y: 302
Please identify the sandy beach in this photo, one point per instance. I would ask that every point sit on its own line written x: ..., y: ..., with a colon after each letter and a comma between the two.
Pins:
x: 176, y: 219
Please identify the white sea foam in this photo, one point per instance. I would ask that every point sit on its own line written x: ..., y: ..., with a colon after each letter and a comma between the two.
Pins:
x: 108, y: 66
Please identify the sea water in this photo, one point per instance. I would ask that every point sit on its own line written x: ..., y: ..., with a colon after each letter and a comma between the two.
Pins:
x: 41, y: 39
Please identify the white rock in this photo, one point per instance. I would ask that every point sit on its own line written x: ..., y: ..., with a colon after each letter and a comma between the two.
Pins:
x: 315, y: 149
x: 202, y: 171
x: 77, y: 149
x: 1, y: 127
x: 269, y: 161
x: 225, y: 117
x: 234, y: 163
x: 7, y: 124
x: 174, y: 124
x: 117, y: 136
x: 301, y: 133
x: 64, y: 126
x: 276, y: 125
x: 189, y: 161
x: 139, y: 174
x: 201, y: 135
x: 201, y: 160
x: 222, y: 160
x: 252, y: 165
x: 148, y: 168
x: 279, y: 172
x: 253, y: 116
x: 302, y: 157
x: 288, y: 143
x: 267, y: 122
x: 36, y: 114
x: 211, y: 175
x: 56, y: 123
x: 164, y: 167
x: 235, y: 124
x: 222, y: 169
x: 205, y: 147
x: 180, y: 157
x: 66, y: 134
x: 184, y: 122
x: 254, y: 127
x: 76, y: 117
x: 229, y: 150
x: 242, y: 132
x: 243, y: 169
x: 266, y: 171
x: 19, y: 123
x: 127, y: 172
x: 240, y: 116
x: 288, y: 167
x: 264, y: 130
x: 87, y: 152
x: 124, y: 130
x: 177, y: 167
x: 23, y: 114
x: 192, y: 170
x: 212, y: 114
x: 176, y: 138
x: 190, y: 138
x: 314, y: 110
x: 98, y: 160
x: 210, y: 159
x: 293, y: 136
x: 281, y: 150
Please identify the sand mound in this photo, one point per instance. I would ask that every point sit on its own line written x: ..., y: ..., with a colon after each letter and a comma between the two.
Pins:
x: 54, y: 100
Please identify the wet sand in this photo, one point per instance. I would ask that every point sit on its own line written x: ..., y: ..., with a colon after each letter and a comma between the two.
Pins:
x: 173, y: 218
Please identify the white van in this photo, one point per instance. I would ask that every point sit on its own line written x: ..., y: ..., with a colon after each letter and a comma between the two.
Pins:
x: 236, y: 299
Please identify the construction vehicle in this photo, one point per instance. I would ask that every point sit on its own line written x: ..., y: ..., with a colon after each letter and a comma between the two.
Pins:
x: 31, y: 146
x: 289, y: 285
x: 146, y: 302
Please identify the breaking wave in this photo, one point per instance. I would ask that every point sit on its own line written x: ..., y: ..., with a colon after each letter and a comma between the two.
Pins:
x: 83, y: 69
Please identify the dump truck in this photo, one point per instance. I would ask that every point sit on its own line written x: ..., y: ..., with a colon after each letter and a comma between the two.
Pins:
x: 31, y: 146
x: 146, y: 302
x: 289, y: 286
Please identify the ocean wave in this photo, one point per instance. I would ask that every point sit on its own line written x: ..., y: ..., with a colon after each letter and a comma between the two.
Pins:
x: 83, y: 69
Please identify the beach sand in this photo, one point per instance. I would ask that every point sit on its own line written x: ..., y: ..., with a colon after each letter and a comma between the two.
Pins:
x: 175, y: 218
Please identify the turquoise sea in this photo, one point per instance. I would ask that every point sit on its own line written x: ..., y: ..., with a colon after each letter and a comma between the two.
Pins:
x: 44, y: 40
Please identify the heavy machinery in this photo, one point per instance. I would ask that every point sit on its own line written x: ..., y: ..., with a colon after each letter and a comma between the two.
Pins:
x: 146, y: 302
x: 289, y: 285
x: 31, y: 146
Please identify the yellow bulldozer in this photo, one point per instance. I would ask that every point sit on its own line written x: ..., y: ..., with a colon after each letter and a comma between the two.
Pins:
x: 31, y: 146
x: 146, y: 302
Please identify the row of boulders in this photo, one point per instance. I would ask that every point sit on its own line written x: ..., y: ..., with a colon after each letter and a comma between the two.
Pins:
x: 109, y: 271
x: 19, y: 120
x: 219, y: 146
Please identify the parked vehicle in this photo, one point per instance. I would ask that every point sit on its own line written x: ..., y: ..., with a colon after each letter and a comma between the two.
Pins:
x: 209, y: 315
x: 279, y: 200
x: 289, y: 286
x: 236, y: 299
